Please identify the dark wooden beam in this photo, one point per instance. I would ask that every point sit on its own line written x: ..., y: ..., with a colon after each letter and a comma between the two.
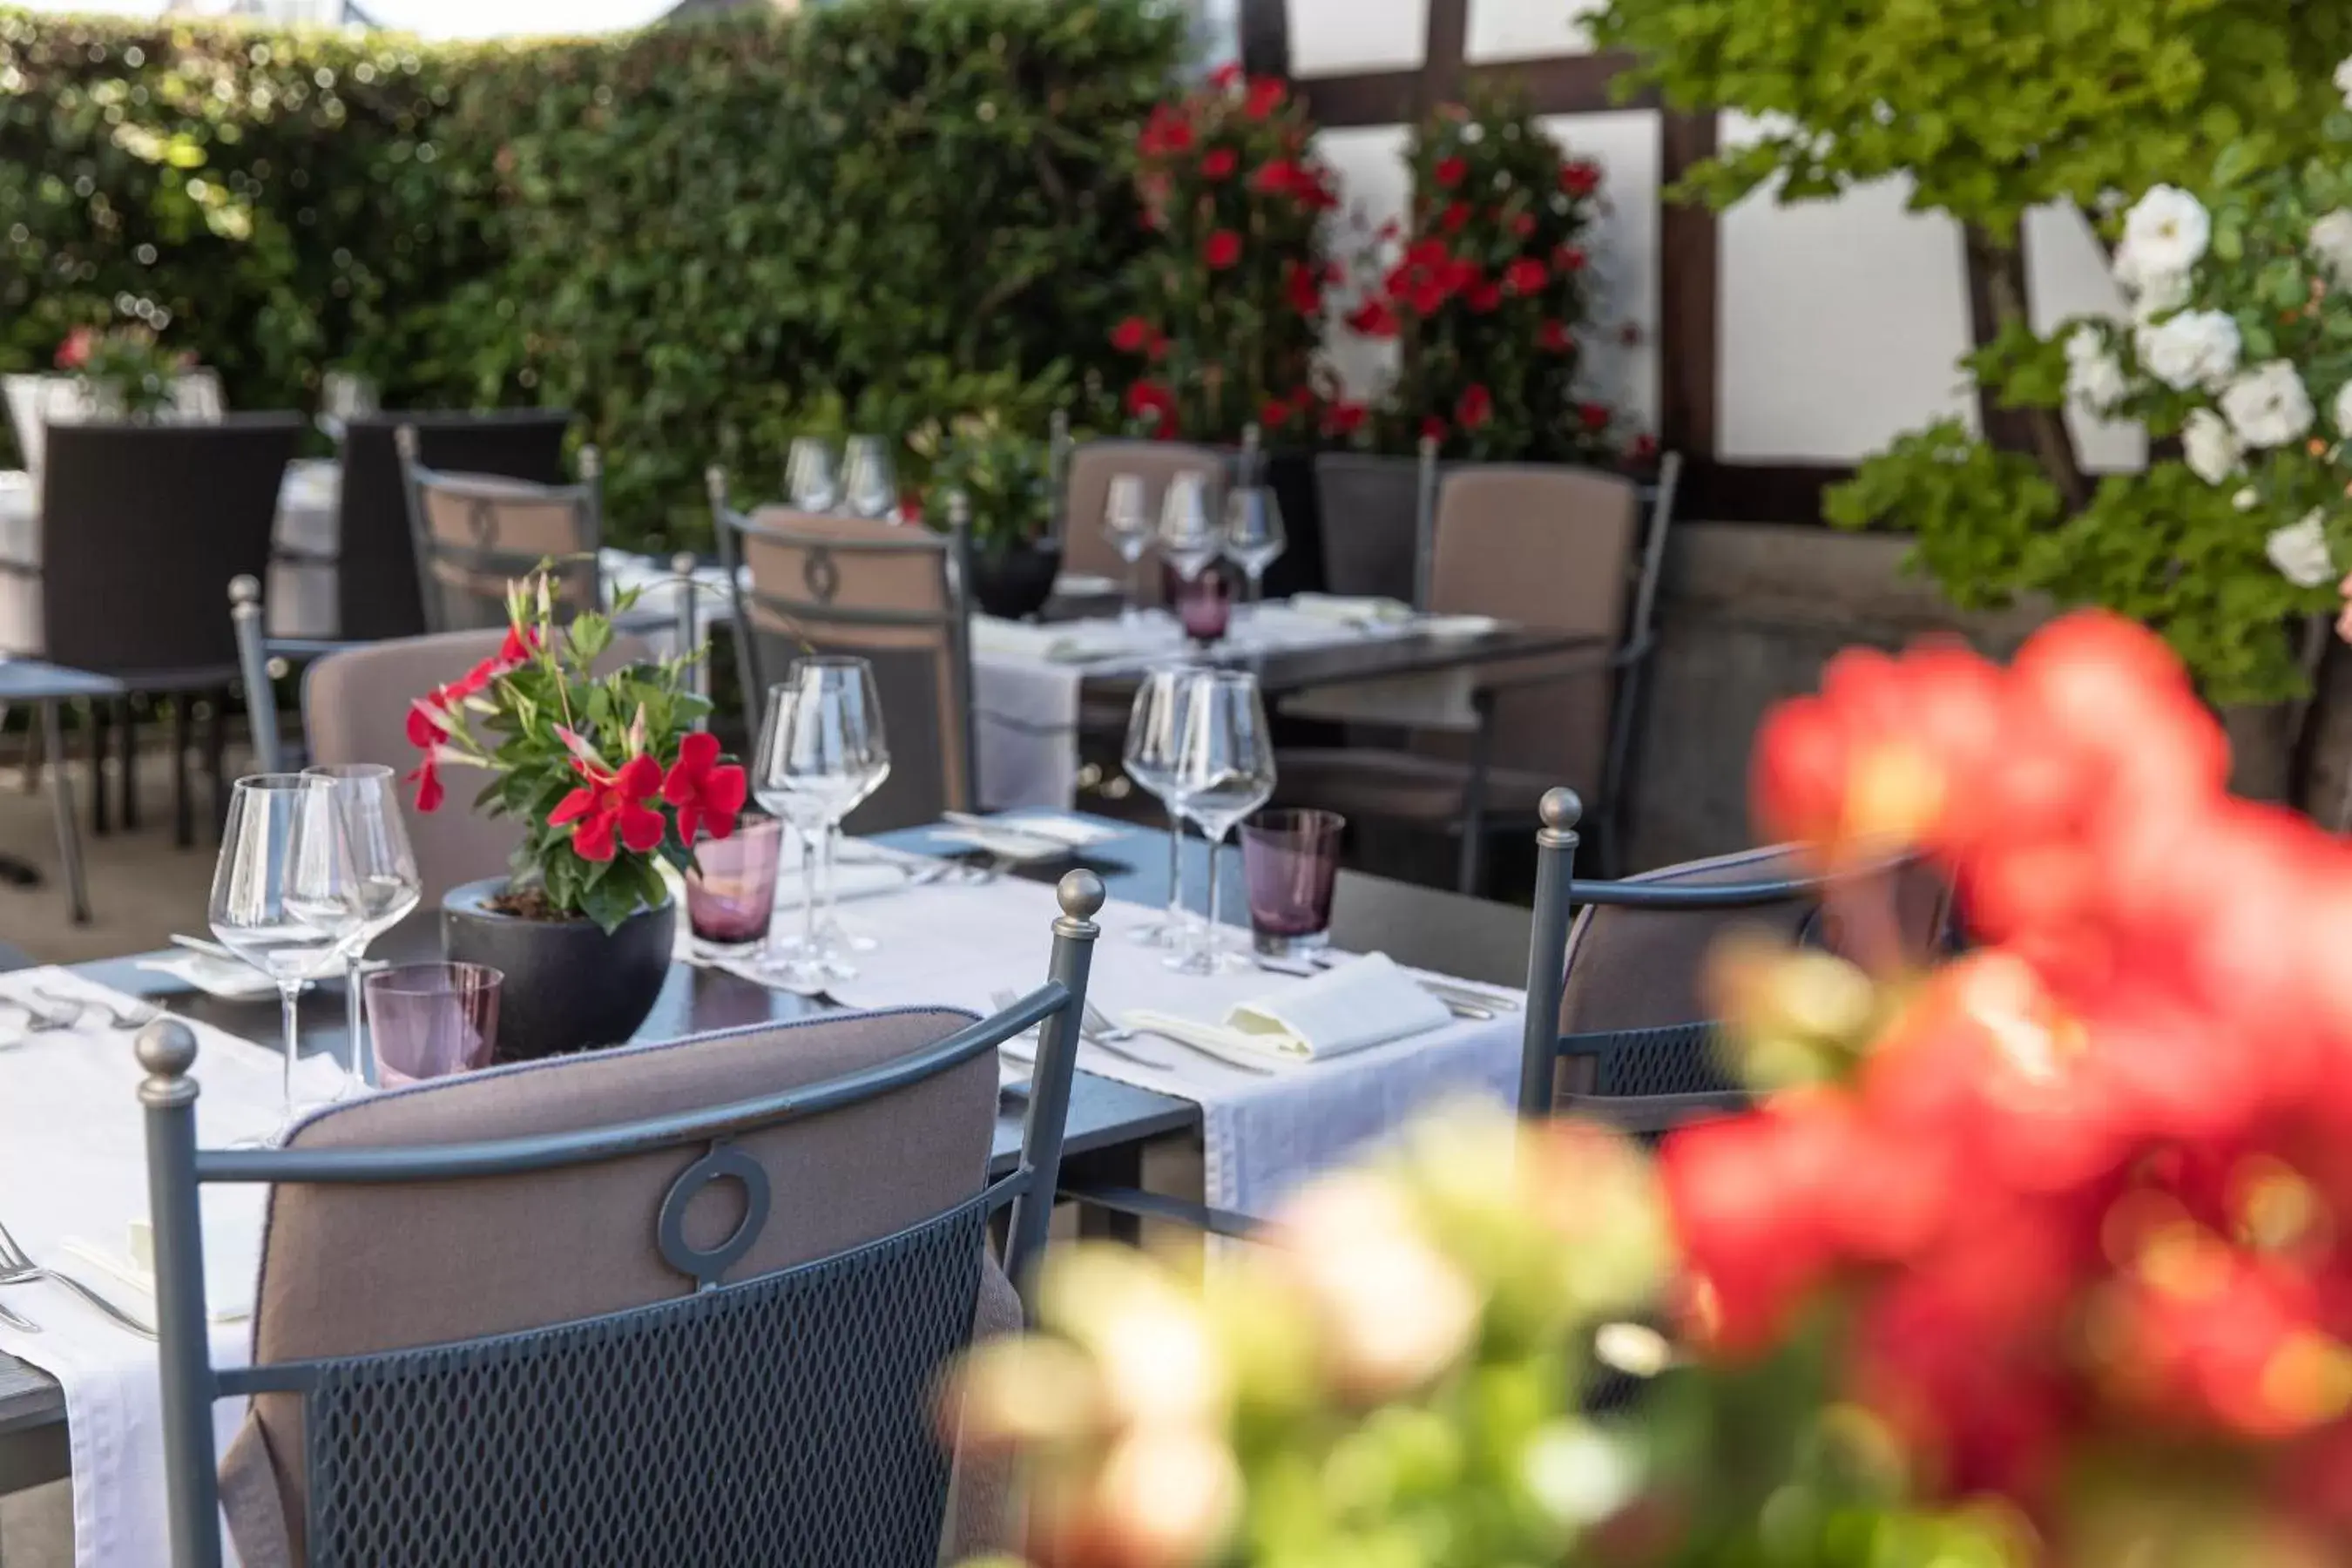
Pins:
x: 1442, y: 50
x: 1265, y: 37
x: 1570, y: 84
x: 1690, y: 299
x: 1716, y: 492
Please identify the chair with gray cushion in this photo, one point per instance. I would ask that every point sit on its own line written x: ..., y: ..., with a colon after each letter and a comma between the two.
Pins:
x: 808, y: 583
x: 672, y: 1303
x: 1087, y: 491
x: 474, y: 533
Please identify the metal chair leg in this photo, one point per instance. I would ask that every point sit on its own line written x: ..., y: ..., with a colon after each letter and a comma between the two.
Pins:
x: 217, y: 758
x: 101, y: 720
x: 36, y: 755
x: 129, y: 716
x: 183, y: 809
x: 61, y: 802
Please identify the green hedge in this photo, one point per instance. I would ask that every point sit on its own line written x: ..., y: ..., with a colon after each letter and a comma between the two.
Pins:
x: 700, y: 236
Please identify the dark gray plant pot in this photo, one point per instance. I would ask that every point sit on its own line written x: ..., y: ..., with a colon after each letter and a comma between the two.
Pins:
x: 1015, y: 581
x: 569, y: 986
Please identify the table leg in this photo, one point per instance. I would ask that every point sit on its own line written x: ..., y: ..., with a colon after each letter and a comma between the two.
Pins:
x: 216, y: 757
x: 1121, y: 1166
x: 61, y: 802
x: 102, y: 711
x: 183, y: 811
x: 130, y: 717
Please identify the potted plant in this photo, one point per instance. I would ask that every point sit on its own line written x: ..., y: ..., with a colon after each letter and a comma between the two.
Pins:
x: 610, y: 780
x: 127, y: 371
x: 1006, y: 482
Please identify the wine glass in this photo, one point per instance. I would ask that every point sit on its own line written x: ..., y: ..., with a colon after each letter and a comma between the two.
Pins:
x: 1127, y: 523
x: 1224, y: 771
x: 285, y: 894
x: 809, y: 481
x: 344, y: 396
x: 389, y: 887
x: 1254, y: 534
x: 1188, y: 540
x: 1155, y: 735
x: 820, y: 752
x: 868, y: 484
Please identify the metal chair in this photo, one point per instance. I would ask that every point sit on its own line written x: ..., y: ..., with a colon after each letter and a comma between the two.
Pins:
x: 1565, y: 549
x: 474, y: 533
x: 897, y: 596
x: 495, y: 1325
x: 1371, y: 546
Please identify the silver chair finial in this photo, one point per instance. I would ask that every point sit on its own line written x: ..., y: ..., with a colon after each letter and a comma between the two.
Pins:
x: 167, y: 1049
x: 1080, y: 894
x: 243, y: 589
x: 1560, y: 809
x: 404, y: 440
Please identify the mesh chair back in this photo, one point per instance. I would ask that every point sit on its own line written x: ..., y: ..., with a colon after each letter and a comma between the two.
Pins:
x: 1553, y: 548
x: 672, y: 1303
x: 1093, y: 466
x: 376, y: 589
x: 1371, y: 524
x: 873, y: 590
x: 143, y: 526
x: 356, y: 706
x: 477, y: 532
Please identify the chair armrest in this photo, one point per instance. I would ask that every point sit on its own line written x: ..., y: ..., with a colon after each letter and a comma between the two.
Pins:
x: 1176, y: 1211
x: 1655, y: 1113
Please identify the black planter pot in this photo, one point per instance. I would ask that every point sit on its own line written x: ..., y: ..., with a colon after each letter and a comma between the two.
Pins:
x: 1015, y: 581
x: 569, y: 986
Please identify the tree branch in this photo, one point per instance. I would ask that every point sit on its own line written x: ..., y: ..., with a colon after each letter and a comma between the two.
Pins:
x: 1996, y: 270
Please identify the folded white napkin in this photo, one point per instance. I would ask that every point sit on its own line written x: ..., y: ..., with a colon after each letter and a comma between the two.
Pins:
x: 1367, y: 1001
x: 232, y: 1241
x: 1084, y: 585
x: 1456, y: 626
x: 1351, y: 609
x: 312, y: 483
x: 1071, y: 642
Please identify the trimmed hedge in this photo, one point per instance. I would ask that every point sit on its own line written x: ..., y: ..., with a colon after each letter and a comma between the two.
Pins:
x: 701, y: 237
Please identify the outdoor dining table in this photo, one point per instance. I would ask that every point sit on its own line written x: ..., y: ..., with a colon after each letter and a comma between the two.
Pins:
x: 1110, y: 1123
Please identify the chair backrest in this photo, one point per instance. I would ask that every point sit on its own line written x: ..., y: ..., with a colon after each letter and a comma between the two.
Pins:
x: 893, y: 596
x: 477, y: 532
x: 1092, y: 467
x: 143, y: 527
x: 1554, y: 548
x: 500, y: 1317
x: 376, y: 591
x: 355, y: 705
x: 1376, y: 519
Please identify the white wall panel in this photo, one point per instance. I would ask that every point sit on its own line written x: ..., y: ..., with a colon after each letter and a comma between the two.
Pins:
x: 2066, y: 275
x: 1527, y: 29
x: 1375, y: 188
x: 1624, y: 143
x: 1335, y: 38
x: 1841, y: 322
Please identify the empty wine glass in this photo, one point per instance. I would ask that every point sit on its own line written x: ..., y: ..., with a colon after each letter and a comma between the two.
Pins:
x: 1224, y: 771
x: 1127, y: 523
x: 368, y: 802
x: 869, y: 487
x: 286, y: 895
x: 1254, y: 534
x: 809, y: 481
x: 1187, y: 539
x: 1155, y: 735
x: 344, y: 396
x: 821, y: 751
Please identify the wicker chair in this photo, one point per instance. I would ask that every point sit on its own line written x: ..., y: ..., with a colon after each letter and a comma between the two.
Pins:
x: 474, y: 533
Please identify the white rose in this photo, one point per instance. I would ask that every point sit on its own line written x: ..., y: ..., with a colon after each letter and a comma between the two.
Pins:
x: 2344, y: 82
x: 2094, y: 377
x: 2247, y: 499
x: 2267, y: 405
x: 2299, y: 550
x: 2194, y: 348
x: 2152, y: 291
x: 2330, y: 244
x: 2210, y: 449
x: 2166, y: 231
x: 2344, y: 409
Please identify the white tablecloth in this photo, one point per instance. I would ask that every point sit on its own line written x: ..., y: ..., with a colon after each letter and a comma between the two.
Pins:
x: 73, y: 1165
x: 300, y: 598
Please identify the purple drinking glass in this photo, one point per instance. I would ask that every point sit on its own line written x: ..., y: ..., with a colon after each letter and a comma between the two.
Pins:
x: 731, y: 893
x: 430, y: 1020
x: 1206, y: 606
x: 1290, y: 859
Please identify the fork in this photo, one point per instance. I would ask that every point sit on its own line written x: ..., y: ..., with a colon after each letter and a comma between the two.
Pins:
x: 18, y: 1321
x: 17, y: 1267
x: 136, y: 1017
x: 1107, y: 1037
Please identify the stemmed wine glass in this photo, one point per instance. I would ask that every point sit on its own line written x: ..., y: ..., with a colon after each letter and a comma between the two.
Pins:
x: 389, y: 887
x: 285, y: 894
x: 1127, y: 523
x: 1254, y: 534
x: 820, y: 752
x: 1224, y: 771
x: 869, y: 487
x: 809, y: 481
x: 1155, y: 737
x: 1188, y: 540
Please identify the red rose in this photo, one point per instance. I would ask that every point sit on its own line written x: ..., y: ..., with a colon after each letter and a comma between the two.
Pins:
x: 1432, y: 428
x: 1594, y: 415
x: 1304, y: 286
x: 1568, y: 258
x: 1579, y: 178
x: 1167, y: 131
x: 1553, y: 337
x: 1265, y: 96
x: 1523, y: 224
x: 1426, y: 294
x: 1343, y: 419
x: 1316, y: 194
x: 1642, y: 447
x: 1274, y: 413
x: 1452, y: 172
x: 1486, y: 297
x: 74, y: 353
x: 1222, y: 249
x: 1462, y: 275
x: 1428, y: 253
x: 1525, y: 276
x: 1276, y: 177
x: 1455, y: 216
x: 1153, y: 403
x: 1474, y: 407
x: 1374, y: 319
x: 1218, y: 163
x: 1134, y: 335
x: 706, y: 794
x: 607, y: 804
x: 1226, y: 77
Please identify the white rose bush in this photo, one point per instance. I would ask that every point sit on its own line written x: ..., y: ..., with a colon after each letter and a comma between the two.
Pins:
x: 2234, y: 351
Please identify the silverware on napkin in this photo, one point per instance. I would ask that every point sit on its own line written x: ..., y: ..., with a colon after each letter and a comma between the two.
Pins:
x: 17, y: 1267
